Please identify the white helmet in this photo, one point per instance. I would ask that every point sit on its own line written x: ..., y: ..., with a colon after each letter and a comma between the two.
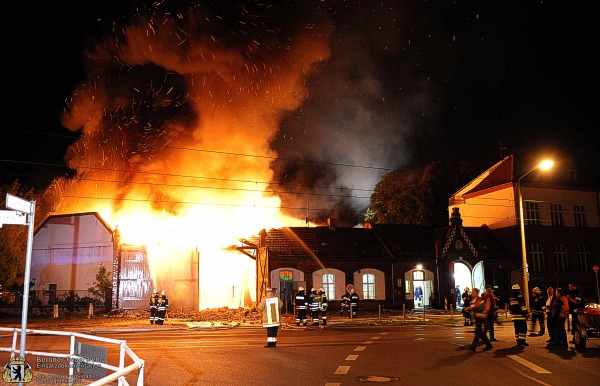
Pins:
x: 300, y: 288
x: 516, y: 287
x: 163, y: 292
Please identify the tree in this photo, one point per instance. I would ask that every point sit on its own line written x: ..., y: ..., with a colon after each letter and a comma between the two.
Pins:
x: 102, y: 284
x: 13, y: 238
x: 416, y: 197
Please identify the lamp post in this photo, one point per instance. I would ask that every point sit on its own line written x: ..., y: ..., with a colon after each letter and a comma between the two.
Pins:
x: 544, y: 165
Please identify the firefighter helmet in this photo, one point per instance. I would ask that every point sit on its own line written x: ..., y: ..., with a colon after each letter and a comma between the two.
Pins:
x: 163, y: 292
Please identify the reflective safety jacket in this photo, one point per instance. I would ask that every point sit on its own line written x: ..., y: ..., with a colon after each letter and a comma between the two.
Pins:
x: 300, y: 300
x: 517, y: 306
x: 322, y: 302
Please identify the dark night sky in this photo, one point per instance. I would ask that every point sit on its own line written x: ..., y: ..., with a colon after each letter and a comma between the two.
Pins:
x: 405, y: 82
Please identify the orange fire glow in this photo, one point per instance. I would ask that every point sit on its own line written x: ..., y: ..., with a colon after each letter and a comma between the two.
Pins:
x: 184, y: 165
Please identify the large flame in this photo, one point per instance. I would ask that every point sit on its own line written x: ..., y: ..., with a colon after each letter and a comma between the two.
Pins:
x: 176, y: 118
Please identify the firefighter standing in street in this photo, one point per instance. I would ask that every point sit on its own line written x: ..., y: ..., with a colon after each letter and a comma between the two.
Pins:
x: 323, y: 305
x: 270, y: 306
x: 163, y: 304
x: 518, y: 311
x: 537, y: 303
x: 345, y: 304
x: 154, y: 306
x: 313, y: 306
x: 354, y: 298
x: 300, y: 303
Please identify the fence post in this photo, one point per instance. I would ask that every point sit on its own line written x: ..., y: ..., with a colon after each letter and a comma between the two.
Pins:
x: 91, y: 311
x: 56, y: 311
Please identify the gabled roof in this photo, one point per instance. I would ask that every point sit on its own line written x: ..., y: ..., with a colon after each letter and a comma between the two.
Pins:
x: 497, y: 175
x: 481, y: 241
x: 382, y: 242
x: 58, y: 217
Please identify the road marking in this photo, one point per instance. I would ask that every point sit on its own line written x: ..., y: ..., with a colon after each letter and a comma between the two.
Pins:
x: 332, y: 384
x: 342, y: 370
x: 367, y: 342
x: 528, y: 364
x: 384, y: 333
x: 360, y: 348
x: 376, y: 337
x: 351, y: 357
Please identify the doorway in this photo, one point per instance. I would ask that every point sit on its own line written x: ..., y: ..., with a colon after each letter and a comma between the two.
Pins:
x: 465, y: 277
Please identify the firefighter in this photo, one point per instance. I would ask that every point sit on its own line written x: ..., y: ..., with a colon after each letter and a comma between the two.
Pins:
x: 537, y: 302
x: 323, y: 305
x: 345, y: 310
x: 313, y: 306
x: 163, y: 304
x: 300, y: 303
x: 270, y: 316
x: 153, y: 306
x: 354, y: 298
x: 518, y: 312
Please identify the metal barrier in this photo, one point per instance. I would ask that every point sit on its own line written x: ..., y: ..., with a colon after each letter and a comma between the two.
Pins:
x: 119, y: 372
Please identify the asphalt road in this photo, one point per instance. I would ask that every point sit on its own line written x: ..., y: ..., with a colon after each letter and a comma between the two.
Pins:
x: 343, y: 355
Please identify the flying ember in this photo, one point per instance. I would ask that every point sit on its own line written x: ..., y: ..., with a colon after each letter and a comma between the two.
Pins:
x: 175, y: 117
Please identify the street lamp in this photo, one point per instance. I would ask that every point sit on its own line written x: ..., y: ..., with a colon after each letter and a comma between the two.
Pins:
x: 544, y: 165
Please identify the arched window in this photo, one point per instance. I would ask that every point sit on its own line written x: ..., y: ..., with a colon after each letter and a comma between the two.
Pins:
x: 368, y: 280
x: 583, y: 255
x: 329, y: 285
x: 560, y: 258
x: 537, y: 258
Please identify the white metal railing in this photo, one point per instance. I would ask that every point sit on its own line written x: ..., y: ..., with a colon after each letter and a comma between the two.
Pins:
x: 119, y: 372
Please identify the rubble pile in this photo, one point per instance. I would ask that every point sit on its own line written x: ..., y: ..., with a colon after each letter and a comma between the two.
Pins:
x: 186, y: 314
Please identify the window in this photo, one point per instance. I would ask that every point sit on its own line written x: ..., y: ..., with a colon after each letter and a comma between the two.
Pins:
x: 560, y: 258
x: 329, y: 285
x: 579, y: 215
x: 532, y: 213
x: 536, y: 255
x: 556, y: 215
x: 368, y: 286
x: 583, y: 255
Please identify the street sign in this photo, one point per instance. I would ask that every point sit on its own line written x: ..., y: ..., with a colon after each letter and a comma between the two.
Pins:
x: 12, y: 217
x: 16, y: 203
x: 595, y: 267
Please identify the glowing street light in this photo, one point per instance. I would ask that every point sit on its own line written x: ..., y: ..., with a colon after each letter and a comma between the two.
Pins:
x: 544, y: 165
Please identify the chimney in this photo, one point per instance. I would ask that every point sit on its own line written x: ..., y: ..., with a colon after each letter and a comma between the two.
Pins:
x: 331, y: 223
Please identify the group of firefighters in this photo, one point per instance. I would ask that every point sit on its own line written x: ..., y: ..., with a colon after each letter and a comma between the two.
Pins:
x: 314, y: 305
x: 158, y: 307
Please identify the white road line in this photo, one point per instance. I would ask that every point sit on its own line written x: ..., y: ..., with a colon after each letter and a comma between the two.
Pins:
x: 376, y: 337
x: 528, y: 364
x: 332, y: 384
x: 384, y: 333
x: 360, y: 348
x: 351, y: 357
x: 367, y: 342
x: 342, y: 370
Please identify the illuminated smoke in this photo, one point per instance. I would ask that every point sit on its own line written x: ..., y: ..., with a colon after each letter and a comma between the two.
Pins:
x: 202, y: 123
x: 176, y: 116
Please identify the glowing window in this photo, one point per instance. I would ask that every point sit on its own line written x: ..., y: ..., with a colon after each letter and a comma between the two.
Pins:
x: 286, y: 275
